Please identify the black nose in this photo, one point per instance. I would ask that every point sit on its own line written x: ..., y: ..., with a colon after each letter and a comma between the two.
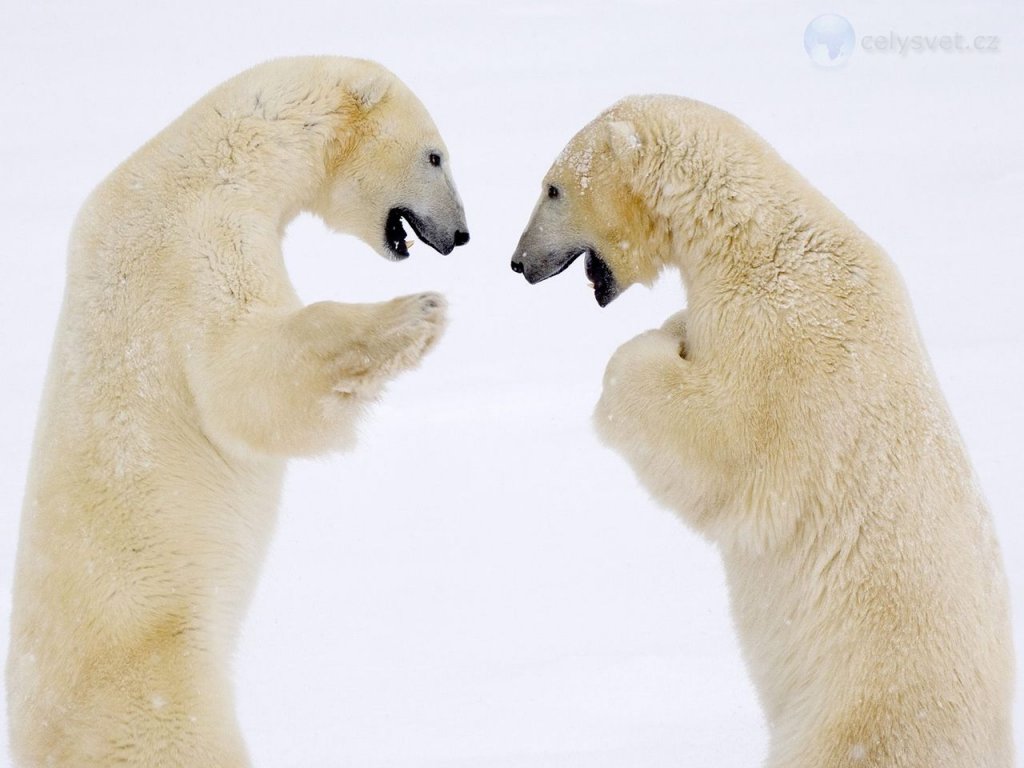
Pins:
x: 461, y: 238
x: 517, y: 266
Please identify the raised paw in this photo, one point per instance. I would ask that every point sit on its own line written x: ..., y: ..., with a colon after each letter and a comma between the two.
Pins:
x: 416, y: 326
x: 675, y: 326
x: 641, y: 357
x: 640, y: 382
x: 396, y: 336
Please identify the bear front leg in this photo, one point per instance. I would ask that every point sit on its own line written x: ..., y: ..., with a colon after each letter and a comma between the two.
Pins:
x: 646, y: 384
x: 675, y: 326
x: 295, y: 384
x: 669, y: 418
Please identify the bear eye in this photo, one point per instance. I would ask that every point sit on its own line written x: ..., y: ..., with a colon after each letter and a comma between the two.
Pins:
x: 553, y: 192
x: 435, y: 159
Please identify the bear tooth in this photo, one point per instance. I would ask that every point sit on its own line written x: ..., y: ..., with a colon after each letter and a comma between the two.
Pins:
x: 410, y: 243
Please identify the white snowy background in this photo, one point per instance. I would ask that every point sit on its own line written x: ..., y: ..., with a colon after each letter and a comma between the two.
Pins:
x: 481, y: 583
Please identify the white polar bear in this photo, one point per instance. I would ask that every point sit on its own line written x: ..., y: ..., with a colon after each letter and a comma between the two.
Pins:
x: 185, y: 370
x: 791, y: 415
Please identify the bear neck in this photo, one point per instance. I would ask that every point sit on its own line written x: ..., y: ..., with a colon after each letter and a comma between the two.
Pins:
x: 727, y: 220
x: 270, y: 152
x: 281, y: 181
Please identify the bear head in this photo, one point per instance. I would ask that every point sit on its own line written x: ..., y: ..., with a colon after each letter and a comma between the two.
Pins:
x: 635, y: 190
x: 388, y: 166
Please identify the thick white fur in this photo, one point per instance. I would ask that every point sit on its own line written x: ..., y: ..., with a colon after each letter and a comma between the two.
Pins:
x: 185, y: 370
x: 791, y: 415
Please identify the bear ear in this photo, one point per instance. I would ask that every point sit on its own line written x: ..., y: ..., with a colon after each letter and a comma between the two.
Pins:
x: 622, y: 140
x: 371, y: 90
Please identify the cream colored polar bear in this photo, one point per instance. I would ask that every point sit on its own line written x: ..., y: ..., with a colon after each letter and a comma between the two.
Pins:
x: 185, y: 371
x: 791, y: 415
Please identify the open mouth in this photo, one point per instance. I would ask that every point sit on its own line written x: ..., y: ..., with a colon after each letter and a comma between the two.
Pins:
x: 600, y: 275
x: 425, y: 228
x: 395, y: 236
x: 601, y: 279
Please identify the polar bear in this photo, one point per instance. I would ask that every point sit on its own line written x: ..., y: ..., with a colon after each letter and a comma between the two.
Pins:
x: 790, y: 414
x: 185, y: 371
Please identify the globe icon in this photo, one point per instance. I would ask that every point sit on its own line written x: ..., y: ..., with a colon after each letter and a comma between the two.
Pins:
x: 829, y: 40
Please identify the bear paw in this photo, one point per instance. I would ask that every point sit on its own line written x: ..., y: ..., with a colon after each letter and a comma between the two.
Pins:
x: 675, y: 326
x: 417, y: 324
x: 400, y: 332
